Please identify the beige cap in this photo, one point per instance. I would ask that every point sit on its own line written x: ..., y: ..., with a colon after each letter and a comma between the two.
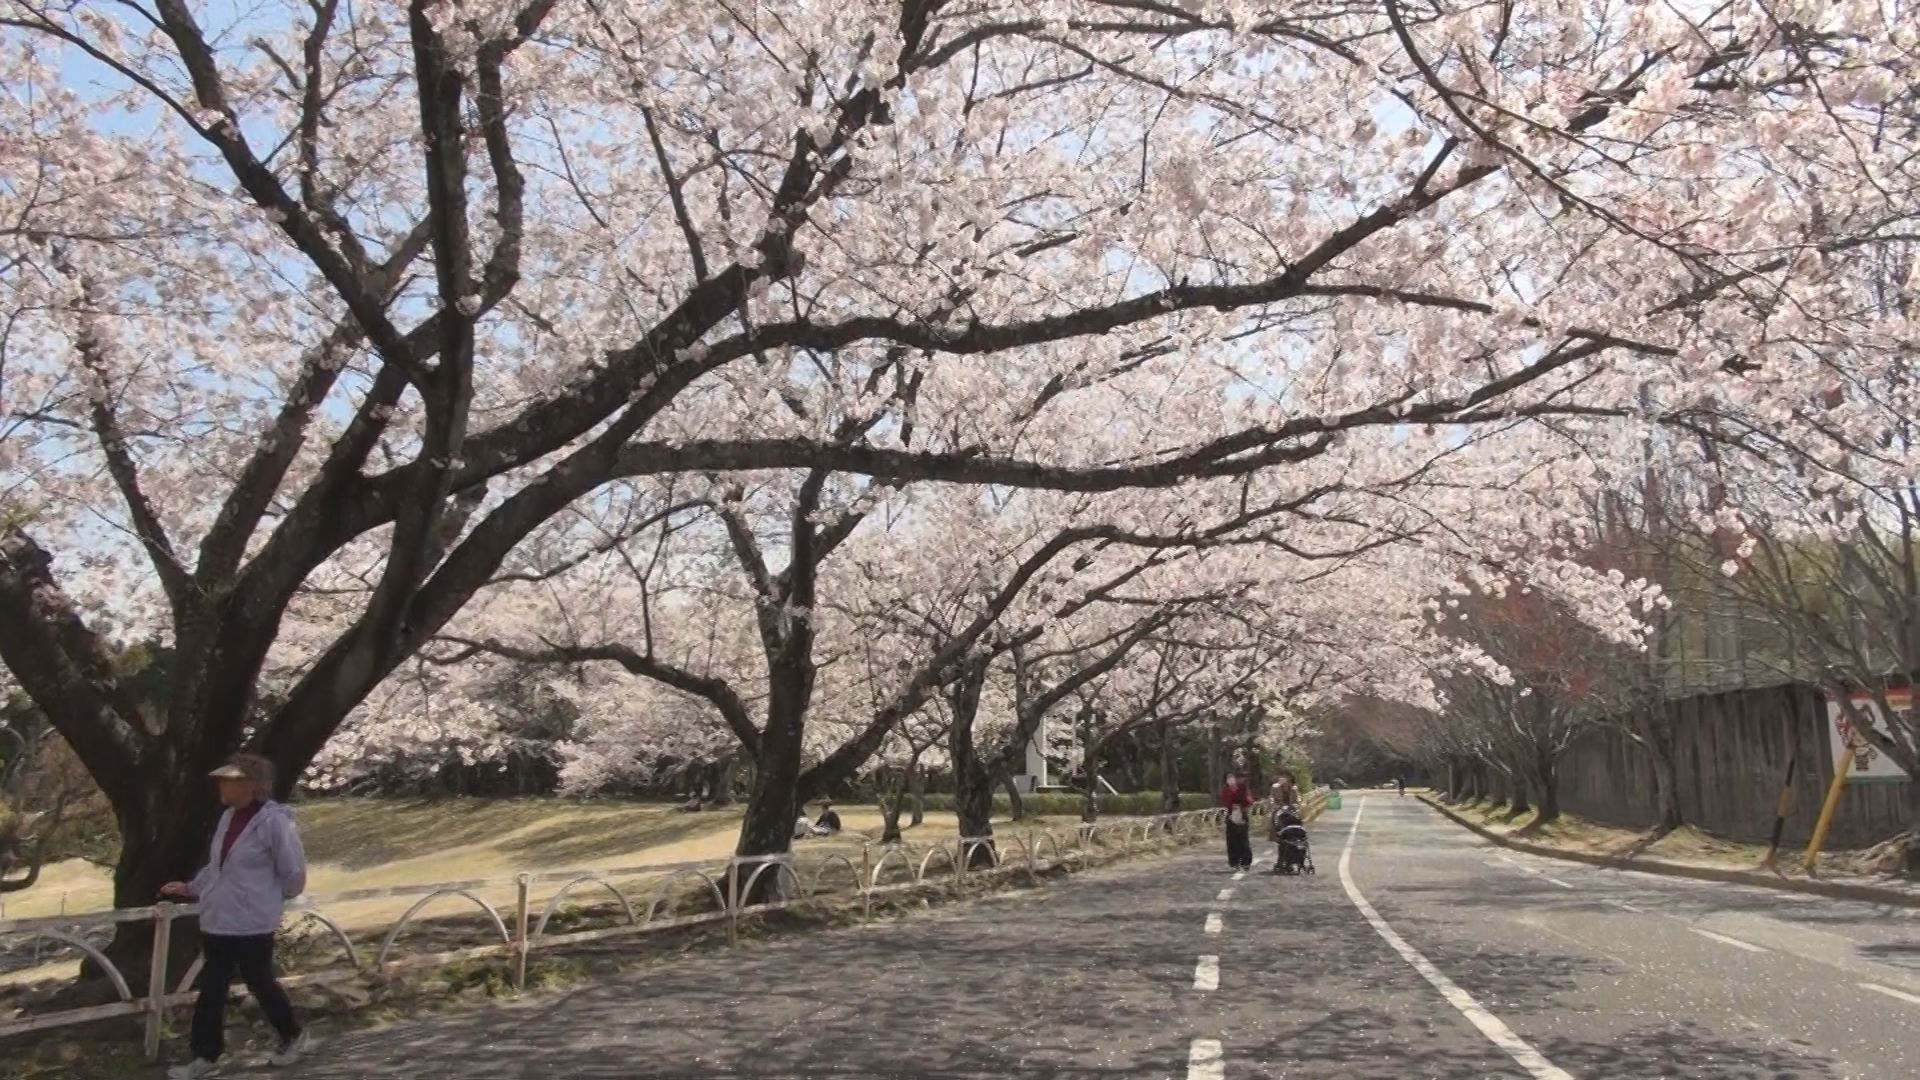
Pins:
x: 245, y: 767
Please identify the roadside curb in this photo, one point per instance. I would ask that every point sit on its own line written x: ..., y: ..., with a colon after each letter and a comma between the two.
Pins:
x: 1837, y: 890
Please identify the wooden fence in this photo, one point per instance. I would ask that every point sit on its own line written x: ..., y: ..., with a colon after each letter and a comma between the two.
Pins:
x: 1731, y: 754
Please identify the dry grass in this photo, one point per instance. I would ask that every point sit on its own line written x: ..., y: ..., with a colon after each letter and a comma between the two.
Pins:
x: 383, y: 843
x: 387, y: 843
x: 1686, y: 844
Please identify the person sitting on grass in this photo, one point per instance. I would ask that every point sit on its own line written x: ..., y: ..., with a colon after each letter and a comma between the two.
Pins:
x: 828, y: 823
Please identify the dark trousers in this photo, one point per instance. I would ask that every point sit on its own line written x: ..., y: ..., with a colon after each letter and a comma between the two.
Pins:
x: 1239, y: 847
x: 252, y: 956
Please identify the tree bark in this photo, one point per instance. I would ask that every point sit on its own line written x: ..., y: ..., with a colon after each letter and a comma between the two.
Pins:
x: 159, y: 844
x: 774, y: 801
x: 1169, y: 776
x: 1517, y: 804
x: 720, y: 782
x: 1546, y: 786
x: 1090, y: 789
x: 891, y: 804
x: 917, y: 788
x: 1215, y: 781
x: 972, y: 783
x: 1016, y: 802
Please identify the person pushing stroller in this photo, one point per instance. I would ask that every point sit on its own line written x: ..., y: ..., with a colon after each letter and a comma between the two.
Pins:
x: 1292, y: 854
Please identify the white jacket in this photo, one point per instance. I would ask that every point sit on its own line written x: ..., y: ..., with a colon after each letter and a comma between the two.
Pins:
x: 247, y: 894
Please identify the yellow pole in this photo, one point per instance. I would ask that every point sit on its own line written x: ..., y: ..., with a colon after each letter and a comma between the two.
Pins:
x: 1840, y: 770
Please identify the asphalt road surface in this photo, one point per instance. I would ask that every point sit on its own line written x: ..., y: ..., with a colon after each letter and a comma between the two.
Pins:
x: 1431, y: 955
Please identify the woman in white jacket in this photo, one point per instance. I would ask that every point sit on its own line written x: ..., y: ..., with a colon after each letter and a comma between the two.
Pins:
x: 254, y: 866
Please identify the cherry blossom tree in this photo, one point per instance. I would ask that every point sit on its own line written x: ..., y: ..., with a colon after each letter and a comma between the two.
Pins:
x: 313, y: 291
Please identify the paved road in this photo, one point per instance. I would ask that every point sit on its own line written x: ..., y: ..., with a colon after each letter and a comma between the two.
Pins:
x: 1435, y: 956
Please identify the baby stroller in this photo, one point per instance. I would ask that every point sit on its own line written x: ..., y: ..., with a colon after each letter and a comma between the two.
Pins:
x: 1293, y: 854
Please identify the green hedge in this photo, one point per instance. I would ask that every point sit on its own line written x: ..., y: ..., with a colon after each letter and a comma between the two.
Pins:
x: 1138, y: 804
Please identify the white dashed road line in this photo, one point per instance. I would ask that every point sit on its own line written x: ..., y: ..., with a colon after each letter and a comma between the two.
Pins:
x: 1238, y: 874
x: 1902, y: 995
x: 1213, y: 922
x: 1206, y: 1060
x: 1555, y: 881
x: 1225, y: 894
x: 1206, y: 976
x: 1496, y: 1032
x: 1725, y: 940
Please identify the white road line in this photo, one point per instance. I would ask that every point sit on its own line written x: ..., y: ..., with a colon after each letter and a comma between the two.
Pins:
x: 1206, y: 1060
x: 1225, y: 894
x: 1238, y: 874
x: 1496, y: 1032
x: 1555, y: 881
x: 1622, y: 904
x: 1725, y: 940
x: 1911, y: 999
x: 1213, y: 922
x: 1206, y: 975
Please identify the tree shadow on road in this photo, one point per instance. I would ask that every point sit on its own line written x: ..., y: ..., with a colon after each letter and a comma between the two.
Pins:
x: 970, y: 992
x: 1677, y: 1049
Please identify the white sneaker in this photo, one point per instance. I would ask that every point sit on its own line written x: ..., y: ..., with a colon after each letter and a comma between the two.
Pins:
x: 291, y: 1050
x: 197, y: 1069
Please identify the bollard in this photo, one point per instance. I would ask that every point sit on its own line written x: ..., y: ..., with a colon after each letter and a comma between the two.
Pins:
x: 1033, y: 863
x: 522, y: 944
x: 157, y: 979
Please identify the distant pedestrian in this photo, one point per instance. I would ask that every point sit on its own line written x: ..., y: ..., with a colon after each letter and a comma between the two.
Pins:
x: 1402, y: 782
x: 254, y: 866
x: 828, y: 823
x: 1285, y: 792
x: 1238, y: 799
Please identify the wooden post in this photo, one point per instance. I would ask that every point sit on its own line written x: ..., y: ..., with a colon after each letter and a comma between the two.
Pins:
x: 1033, y: 862
x: 522, y: 944
x: 1840, y: 770
x: 157, y: 978
x: 960, y: 865
x: 1780, y: 813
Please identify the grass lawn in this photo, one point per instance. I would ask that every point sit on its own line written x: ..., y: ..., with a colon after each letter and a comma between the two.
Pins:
x: 365, y: 843
x: 371, y: 843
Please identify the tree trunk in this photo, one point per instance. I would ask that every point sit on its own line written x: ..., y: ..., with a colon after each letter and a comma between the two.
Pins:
x: 1666, y: 775
x: 1169, y: 776
x: 1517, y: 804
x: 1090, y: 791
x: 1215, y: 781
x: 773, y: 803
x: 720, y: 782
x: 891, y: 803
x: 1016, y: 802
x: 917, y: 788
x: 157, y: 846
x: 1546, y: 787
x: 972, y: 783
